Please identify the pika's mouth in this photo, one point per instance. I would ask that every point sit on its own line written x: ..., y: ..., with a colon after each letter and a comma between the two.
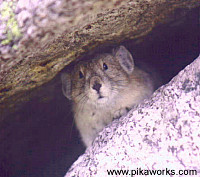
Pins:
x: 100, y: 96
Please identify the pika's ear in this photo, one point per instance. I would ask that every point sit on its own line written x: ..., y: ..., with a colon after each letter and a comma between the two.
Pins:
x: 66, y: 85
x: 125, y: 59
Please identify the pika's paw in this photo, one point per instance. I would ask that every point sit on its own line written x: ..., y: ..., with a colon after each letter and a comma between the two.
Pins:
x: 121, y: 112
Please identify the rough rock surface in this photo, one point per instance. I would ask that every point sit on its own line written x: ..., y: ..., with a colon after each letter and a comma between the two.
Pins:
x: 26, y: 25
x: 160, y: 134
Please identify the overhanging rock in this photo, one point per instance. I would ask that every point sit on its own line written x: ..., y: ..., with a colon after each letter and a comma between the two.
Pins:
x: 32, y: 57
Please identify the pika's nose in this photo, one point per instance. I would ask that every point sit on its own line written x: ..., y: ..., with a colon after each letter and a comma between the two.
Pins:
x: 96, y: 86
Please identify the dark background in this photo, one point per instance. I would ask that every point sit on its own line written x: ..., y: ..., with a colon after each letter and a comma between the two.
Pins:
x: 40, y: 139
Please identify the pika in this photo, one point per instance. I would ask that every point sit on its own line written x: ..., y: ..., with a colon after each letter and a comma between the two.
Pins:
x: 103, y: 89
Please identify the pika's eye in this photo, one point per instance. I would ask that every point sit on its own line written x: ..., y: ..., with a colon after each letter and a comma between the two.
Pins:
x: 80, y: 74
x: 105, y: 67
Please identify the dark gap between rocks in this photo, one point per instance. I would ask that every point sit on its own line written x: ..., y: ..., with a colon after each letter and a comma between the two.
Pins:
x: 40, y: 138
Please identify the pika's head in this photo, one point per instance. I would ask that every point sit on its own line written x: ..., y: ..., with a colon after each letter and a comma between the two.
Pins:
x: 100, y: 80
